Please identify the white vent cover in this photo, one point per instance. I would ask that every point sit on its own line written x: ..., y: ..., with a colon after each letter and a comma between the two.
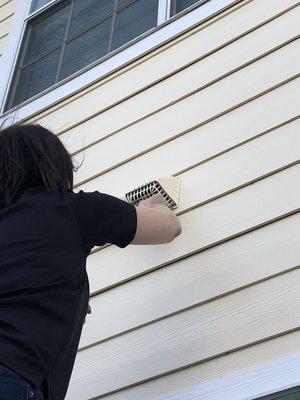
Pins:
x: 169, y: 187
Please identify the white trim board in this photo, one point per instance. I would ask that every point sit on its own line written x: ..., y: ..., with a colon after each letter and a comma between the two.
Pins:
x: 148, y: 41
x: 253, y: 383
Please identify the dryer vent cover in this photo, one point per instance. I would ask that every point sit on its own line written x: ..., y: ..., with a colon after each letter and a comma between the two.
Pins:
x: 169, y: 187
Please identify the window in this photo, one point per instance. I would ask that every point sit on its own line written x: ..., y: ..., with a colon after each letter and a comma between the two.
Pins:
x: 73, y: 34
x: 179, y: 5
x: 58, y: 47
x: 290, y: 394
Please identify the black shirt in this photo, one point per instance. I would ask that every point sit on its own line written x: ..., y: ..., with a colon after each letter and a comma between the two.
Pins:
x: 45, y: 238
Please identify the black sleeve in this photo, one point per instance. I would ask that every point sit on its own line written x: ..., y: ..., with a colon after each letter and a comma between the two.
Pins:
x: 103, y: 218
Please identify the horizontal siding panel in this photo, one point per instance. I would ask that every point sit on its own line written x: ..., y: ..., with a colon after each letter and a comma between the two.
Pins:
x: 239, y: 262
x: 4, y: 26
x: 184, y: 82
x: 204, y: 181
x: 197, y: 108
x: 4, y: 2
x: 248, y: 316
x: 163, y: 62
x: 219, y: 367
x: 202, y: 226
x: 6, y: 14
x: 202, y: 143
x: 2, y: 43
x: 7, y: 10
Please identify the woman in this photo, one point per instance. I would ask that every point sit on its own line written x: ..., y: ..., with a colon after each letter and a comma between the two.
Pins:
x: 46, y: 233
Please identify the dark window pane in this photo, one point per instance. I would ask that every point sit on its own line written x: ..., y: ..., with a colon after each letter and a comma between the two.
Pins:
x: 47, y: 33
x: 123, y: 2
x: 295, y: 396
x: 86, y: 48
x: 87, y: 12
x: 134, y: 20
x: 38, y: 4
x: 37, y: 77
x: 289, y: 394
x: 179, y: 5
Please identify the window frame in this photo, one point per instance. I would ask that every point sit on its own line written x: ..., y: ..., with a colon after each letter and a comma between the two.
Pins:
x: 167, y: 29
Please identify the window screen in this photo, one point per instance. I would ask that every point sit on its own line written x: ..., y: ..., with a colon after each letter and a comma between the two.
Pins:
x: 71, y: 35
x: 180, y: 5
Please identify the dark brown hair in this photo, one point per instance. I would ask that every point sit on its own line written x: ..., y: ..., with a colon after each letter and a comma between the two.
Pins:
x: 31, y: 155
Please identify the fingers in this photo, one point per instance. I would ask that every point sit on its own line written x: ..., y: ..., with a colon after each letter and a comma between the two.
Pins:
x: 156, y: 198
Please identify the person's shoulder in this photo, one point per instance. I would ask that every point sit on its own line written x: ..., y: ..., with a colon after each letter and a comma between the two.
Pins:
x: 72, y: 196
x: 83, y: 199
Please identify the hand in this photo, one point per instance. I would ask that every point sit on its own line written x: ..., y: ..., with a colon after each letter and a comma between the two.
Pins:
x: 89, y: 311
x: 156, y: 198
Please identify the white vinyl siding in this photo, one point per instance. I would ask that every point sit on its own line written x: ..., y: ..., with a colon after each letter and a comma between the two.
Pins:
x: 6, y: 14
x: 201, y: 333
x: 220, y: 264
x: 159, y: 125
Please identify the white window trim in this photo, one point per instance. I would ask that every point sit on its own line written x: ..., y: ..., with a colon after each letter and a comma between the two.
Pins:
x: 167, y: 29
x: 253, y: 383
